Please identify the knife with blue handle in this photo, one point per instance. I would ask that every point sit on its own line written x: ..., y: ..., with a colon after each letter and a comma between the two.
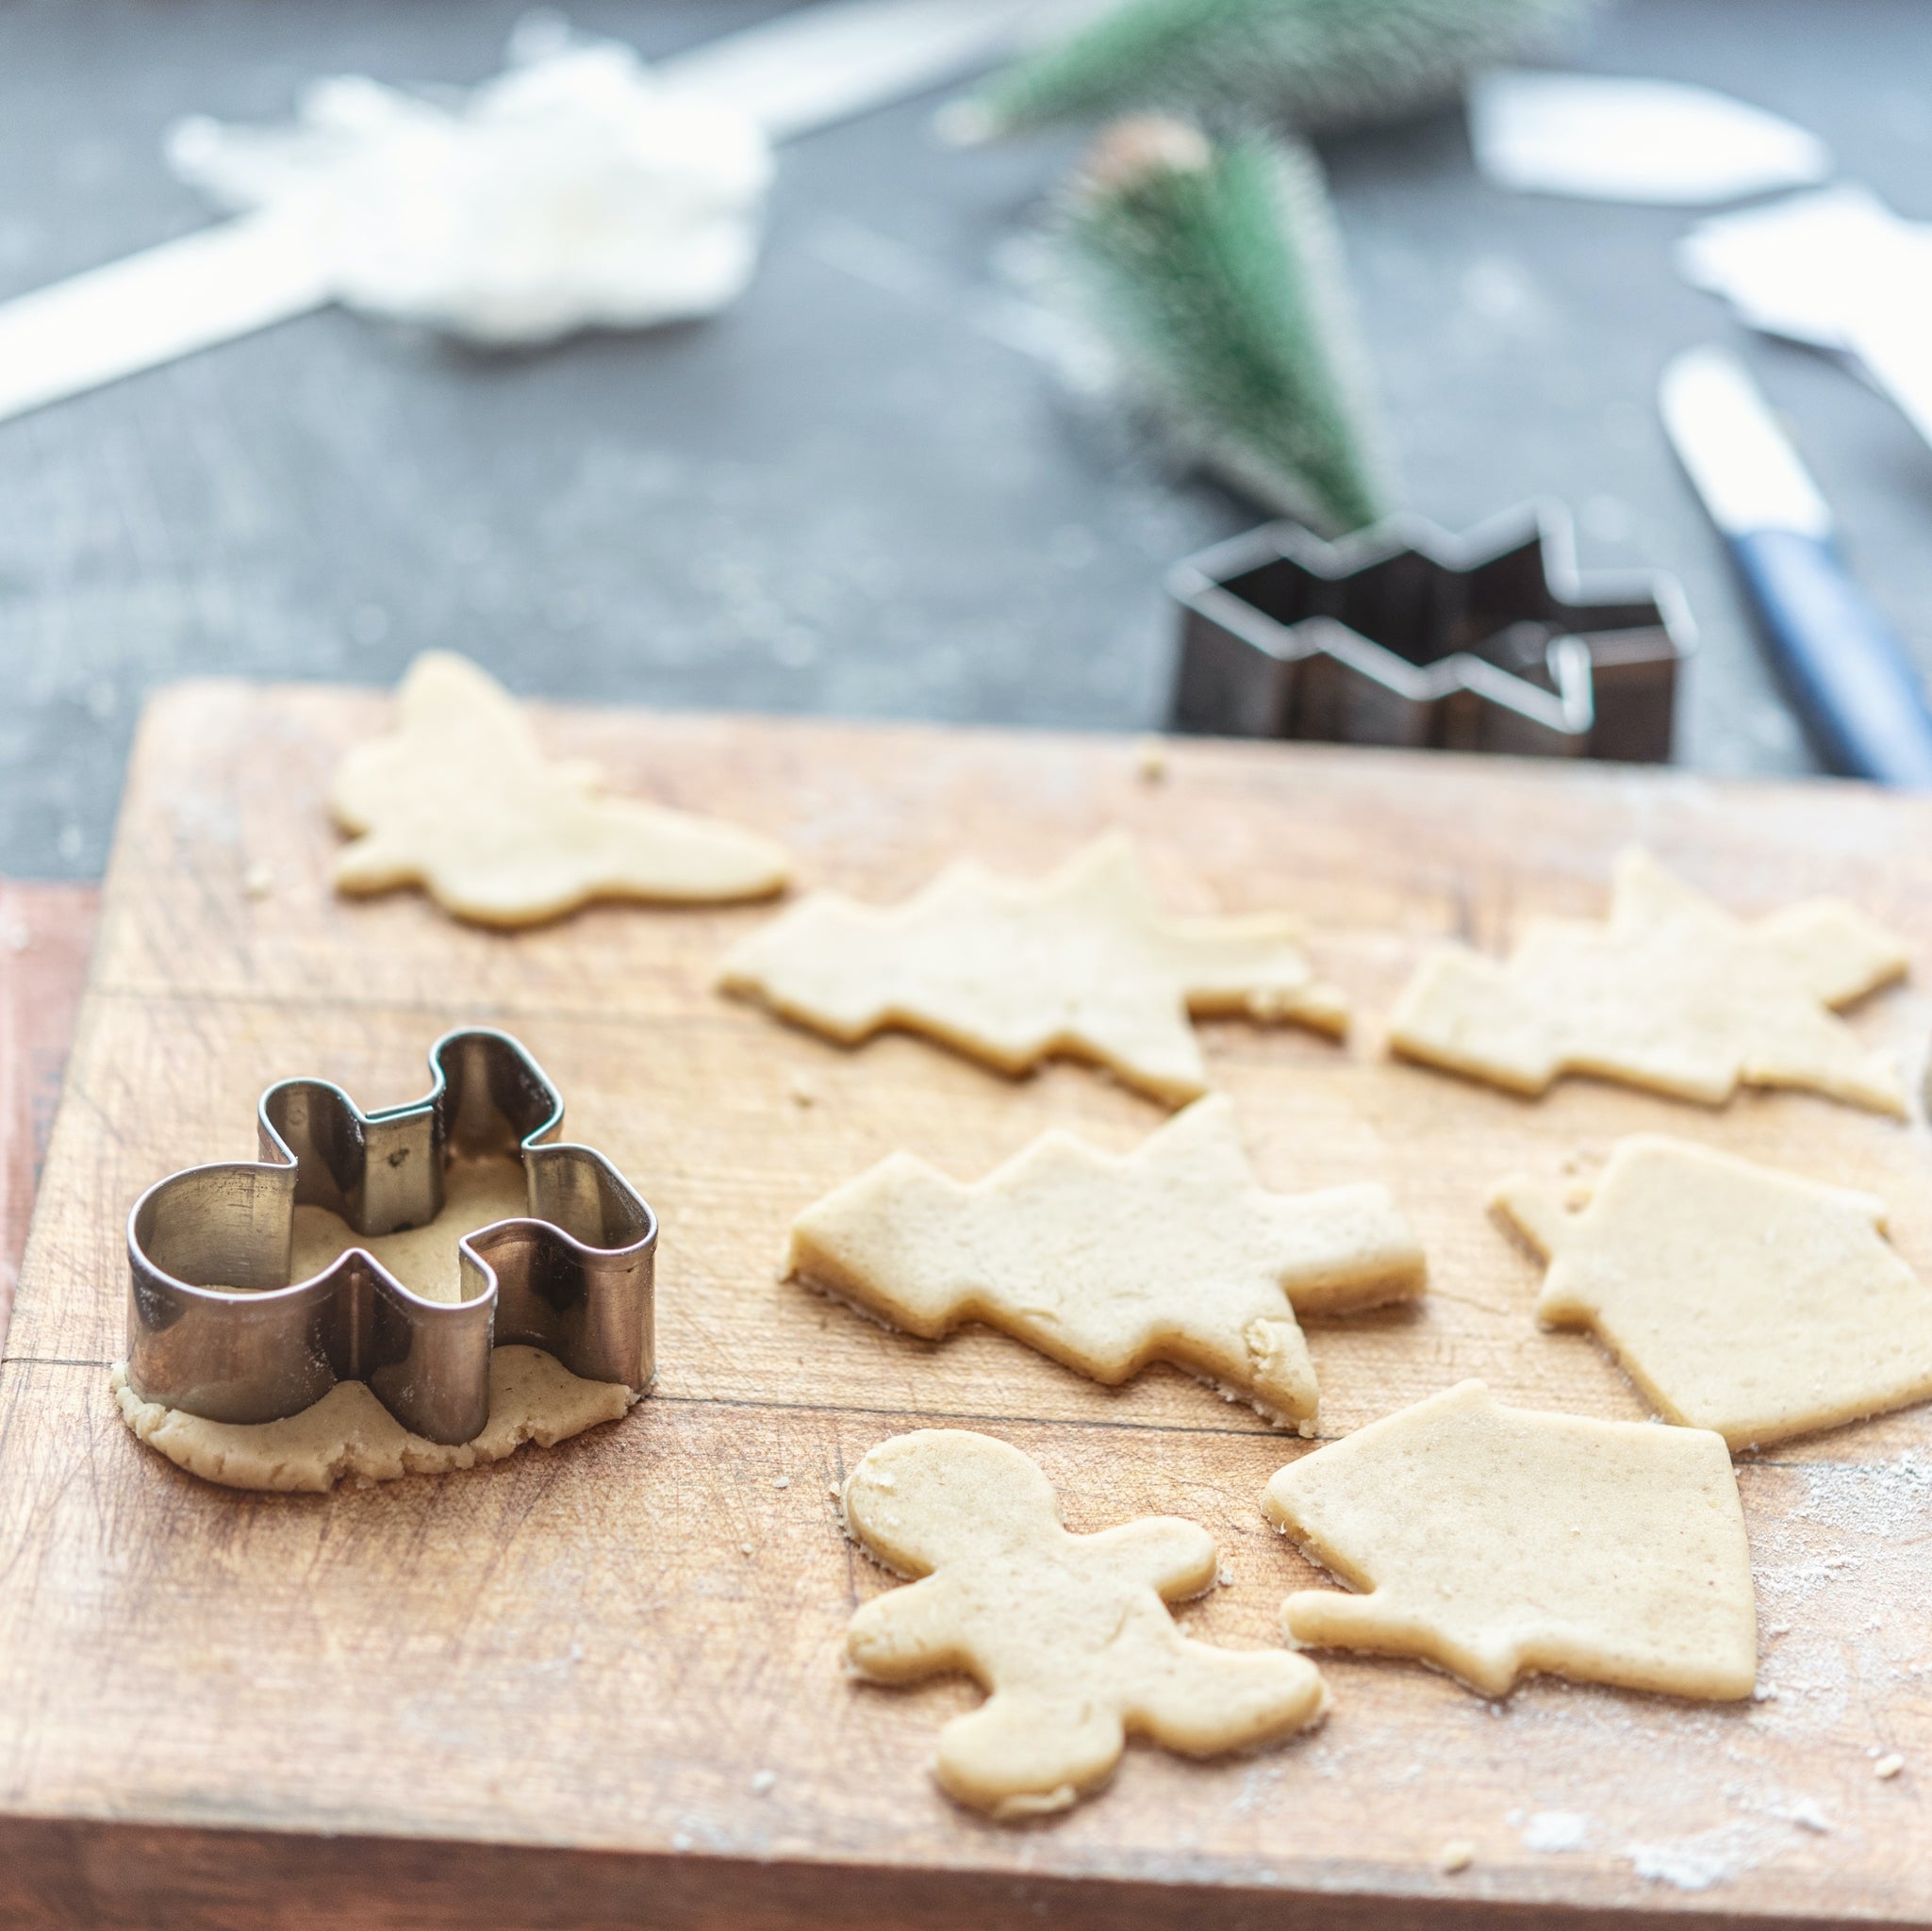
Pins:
x: 1858, y: 692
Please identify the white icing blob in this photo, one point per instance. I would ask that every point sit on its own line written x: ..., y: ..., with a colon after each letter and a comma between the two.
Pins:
x: 573, y: 191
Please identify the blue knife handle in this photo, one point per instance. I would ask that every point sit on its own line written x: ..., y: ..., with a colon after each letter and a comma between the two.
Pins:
x: 1860, y: 695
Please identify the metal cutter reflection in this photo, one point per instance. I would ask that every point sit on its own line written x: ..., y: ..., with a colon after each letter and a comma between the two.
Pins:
x: 216, y: 1327
x: 1402, y: 634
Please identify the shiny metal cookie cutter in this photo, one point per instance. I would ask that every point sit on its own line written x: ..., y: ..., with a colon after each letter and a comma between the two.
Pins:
x: 216, y: 1327
x: 1402, y: 634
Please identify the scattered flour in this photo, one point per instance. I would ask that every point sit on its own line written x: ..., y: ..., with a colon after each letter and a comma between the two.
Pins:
x: 1807, y: 1815
x: 1889, y: 1500
x: 1556, y: 1830
x: 1708, y: 1858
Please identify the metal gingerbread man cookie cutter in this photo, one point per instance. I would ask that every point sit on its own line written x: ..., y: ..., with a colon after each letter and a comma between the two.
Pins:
x: 216, y: 1327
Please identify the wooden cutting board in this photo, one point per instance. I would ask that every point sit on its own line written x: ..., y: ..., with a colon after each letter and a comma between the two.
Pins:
x: 545, y: 1694
x: 45, y: 931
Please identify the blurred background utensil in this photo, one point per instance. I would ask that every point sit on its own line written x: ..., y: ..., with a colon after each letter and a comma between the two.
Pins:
x: 1858, y: 692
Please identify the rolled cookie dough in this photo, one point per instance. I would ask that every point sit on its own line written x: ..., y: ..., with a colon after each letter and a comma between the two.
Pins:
x: 350, y: 1434
x: 1084, y: 962
x: 1494, y: 1541
x: 1174, y: 1253
x: 476, y: 1194
x: 1069, y: 1634
x: 461, y: 801
x: 1737, y: 1298
x: 1673, y: 994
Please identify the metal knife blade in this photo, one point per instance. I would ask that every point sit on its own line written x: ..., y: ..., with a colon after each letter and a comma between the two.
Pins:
x: 1739, y: 459
x: 1856, y: 688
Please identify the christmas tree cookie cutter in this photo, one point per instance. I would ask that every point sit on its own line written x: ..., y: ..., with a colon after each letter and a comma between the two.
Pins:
x: 1403, y: 634
x: 216, y: 1327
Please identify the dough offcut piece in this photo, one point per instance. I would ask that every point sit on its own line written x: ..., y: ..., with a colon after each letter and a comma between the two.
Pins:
x: 1173, y: 1253
x: 1737, y: 1298
x: 1084, y: 962
x: 460, y: 800
x: 1496, y: 1542
x: 350, y: 1434
x: 1673, y: 994
x: 426, y: 1259
x: 1069, y: 1634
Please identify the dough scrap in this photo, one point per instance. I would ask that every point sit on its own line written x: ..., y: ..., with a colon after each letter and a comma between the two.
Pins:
x: 1737, y: 1298
x: 1673, y: 994
x: 1496, y: 1542
x: 348, y: 1433
x: 1069, y: 1634
x: 1172, y: 1252
x: 1083, y: 962
x: 461, y: 801
x: 427, y: 1259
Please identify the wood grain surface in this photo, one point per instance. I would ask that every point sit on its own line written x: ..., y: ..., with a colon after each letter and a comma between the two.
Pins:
x: 543, y: 1693
x: 45, y: 931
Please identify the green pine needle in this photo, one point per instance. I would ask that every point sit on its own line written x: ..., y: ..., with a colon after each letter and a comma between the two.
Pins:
x: 1217, y: 275
x: 1315, y: 64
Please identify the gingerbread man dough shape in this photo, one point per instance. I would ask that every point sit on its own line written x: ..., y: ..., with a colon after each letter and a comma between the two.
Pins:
x: 1673, y: 994
x: 1737, y: 1298
x: 1174, y: 1253
x: 460, y: 800
x: 1071, y: 1634
x: 1084, y: 962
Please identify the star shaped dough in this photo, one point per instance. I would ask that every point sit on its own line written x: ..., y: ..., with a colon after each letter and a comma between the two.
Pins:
x: 1172, y: 1253
x: 461, y: 801
x: 1494, y: 1541
x: 1737, y: 1298
x: 1673, y: 994
x: 1084, y: 962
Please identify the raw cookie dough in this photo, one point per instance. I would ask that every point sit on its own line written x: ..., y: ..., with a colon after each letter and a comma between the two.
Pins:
x: 461, y: 801
x: 1172, y: 1253
x: 1494, y: 1541
x: 1069, y: 1634
x: 476, y: 1194
x: 1737, y: 1298
x: 532, y: 1397
x: 1083, y: 962
x: 1673, y: 994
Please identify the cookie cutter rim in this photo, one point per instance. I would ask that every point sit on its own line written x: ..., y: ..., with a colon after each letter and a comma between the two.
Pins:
x: 1611, y: 686
x: 575, y: 1276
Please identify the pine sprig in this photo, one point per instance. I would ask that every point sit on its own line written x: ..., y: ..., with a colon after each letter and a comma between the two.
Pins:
x: 1315, y: 64
x: 1217, y: 275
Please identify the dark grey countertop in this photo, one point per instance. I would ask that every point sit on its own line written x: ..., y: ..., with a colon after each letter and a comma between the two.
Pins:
x: 865, y: 490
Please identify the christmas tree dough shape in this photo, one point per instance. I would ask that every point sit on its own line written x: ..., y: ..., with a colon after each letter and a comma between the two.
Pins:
x: 1494, y: 1542
x: 1084, y: 962
x: 1068, y: 1634
x: 348, y: 1433
x: 1737, y: 1298
x: 460, y: 800
x: 1673, y: 994
x: 1172, y: 1253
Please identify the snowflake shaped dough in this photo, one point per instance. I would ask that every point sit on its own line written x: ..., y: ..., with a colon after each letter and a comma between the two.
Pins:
x: 1673, y: 994
x: 1084, y: 962
x: 1174, y: 1252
